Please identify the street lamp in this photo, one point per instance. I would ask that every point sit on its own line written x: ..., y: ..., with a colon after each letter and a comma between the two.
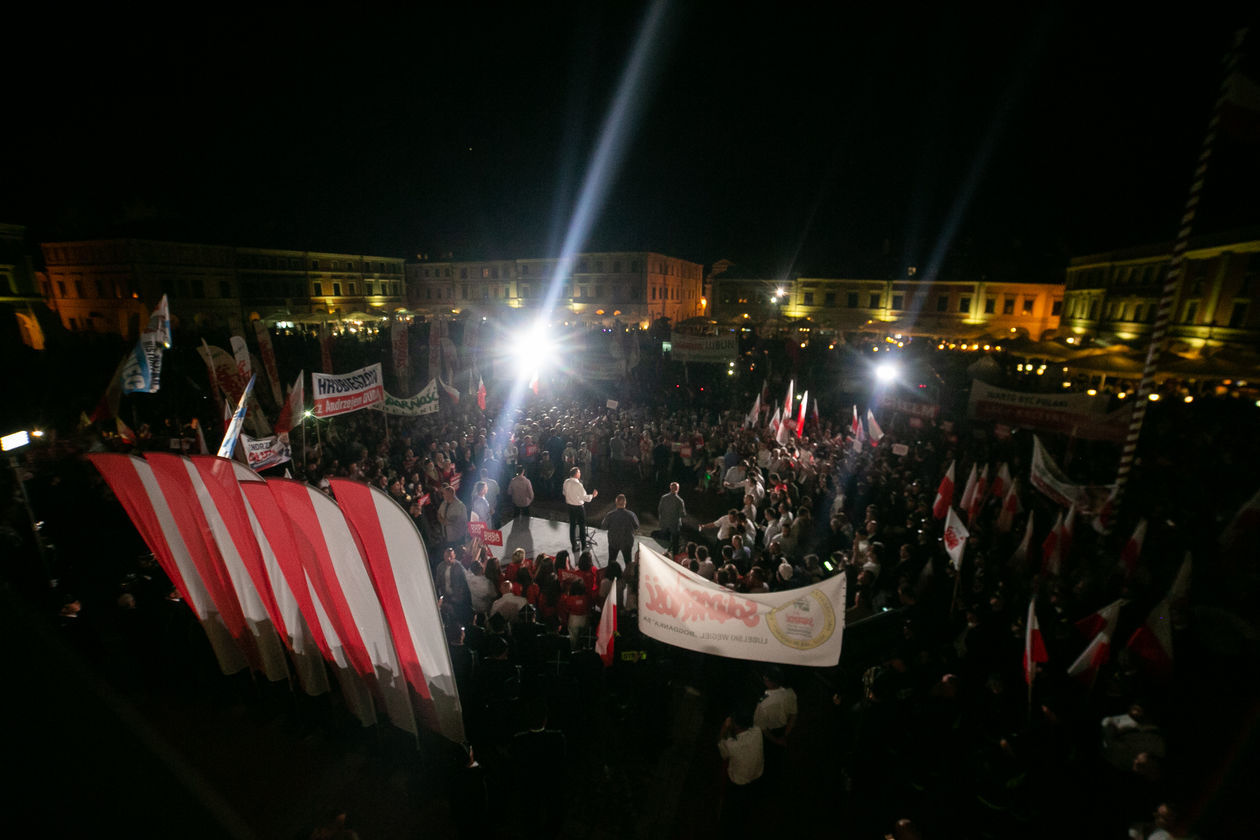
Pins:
x: 12, y: 443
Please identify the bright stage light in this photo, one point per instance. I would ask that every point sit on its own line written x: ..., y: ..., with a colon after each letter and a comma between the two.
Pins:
x: 886, y: 372
x: 535, y: 353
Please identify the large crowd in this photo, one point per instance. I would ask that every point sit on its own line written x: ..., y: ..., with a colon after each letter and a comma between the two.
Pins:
x: 927, y: 727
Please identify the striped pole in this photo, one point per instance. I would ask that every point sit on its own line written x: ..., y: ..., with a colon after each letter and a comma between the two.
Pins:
x: 1163, y: 316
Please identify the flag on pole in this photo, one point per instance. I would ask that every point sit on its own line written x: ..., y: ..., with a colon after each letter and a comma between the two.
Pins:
x: 969, y: 490
x: 1051, y: 548
x: 1152, y: 642
x: 453, y: 393
x: 781, y: 436
x: 944, y: 494
x: 1132, y: 550
x: 875, y: 433
x: 481, y: 393
x: 1104, y: 620
x: 240, y: 352
x: 1001, y: 482
x: 1034, y: 644
x: 293, y: 413
x: 1010, y: 507
x: 856, y: 426
x: 775, y: 421
x: 1092, y: 659
x: 787, y: 403
x: 234, y: 426
x: 1020, y: 555
x: 800, y: 422
x: 955, y: 538
x: 982, y: 489
x: 267, y: 352
x: 606, y: 634
x: 750, y: 422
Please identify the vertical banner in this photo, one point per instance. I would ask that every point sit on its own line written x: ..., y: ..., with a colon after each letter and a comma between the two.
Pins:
x: 240, y: 351
x: 268, y: 355
x: 435, y: 348
x: 402, y: 355
x: 325, y: 348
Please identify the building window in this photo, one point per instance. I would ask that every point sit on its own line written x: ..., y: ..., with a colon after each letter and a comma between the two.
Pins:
x: 78, y: 288
x: 494, y: 273
x: 873, y: 303
x: 319, y: 289
x: 367, y: 288
x: 990, y: 305
x: 463, y: 274
x: 225, y: 289
x: 336, y: 265
x: 352, y: 289
x: 599, y: 265
x: 426, y: 272
x: 1056, y: 308
x: 829, y: 299
x: 942, y: 303
x: 599, y: 293
x: 463, y: 292
x: 524, y: 270
x: 1008, y: 306
x: 634, y: 265
x: 1238, y: 315
x: 653, y: 293
x: 336, y: 290
x: 581, y: 266
x: 314, y: 265
x: 964, y: 304
x: 428, y: 293
x: 1028, y: 305
x: 808, y: 298
x: 61, y: 288
x: 616, y: 266
x: 899, y: 302
x: 852, y: 300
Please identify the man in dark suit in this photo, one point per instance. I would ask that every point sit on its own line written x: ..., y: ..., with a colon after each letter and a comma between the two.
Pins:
x: 670, y: 512
x: 621, y: 524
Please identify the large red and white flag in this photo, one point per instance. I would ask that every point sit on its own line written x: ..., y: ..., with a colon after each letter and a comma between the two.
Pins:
x: 294, y: 411
x: 1047, y: 477
x: 1104, y: 620
x: 606, y: 633
x: 969, y: 490
x: 339, y: 578
x: 776, y: 421
x: 399, y: 566
x: 1034, y: 644
x: 229, y: 543
x: 856, y: 425
x: 181, y: 556
x: 875, y: 433
x: 1152, y: 642
x: 955, y: 538
x: 944, y: 494
x: 800, y: 421
x: 977, y: 499
x: 1132, y: 550
x: 788, y: 401
x: 481, y: 393
x: 453, y: 393
x: 1010, y: 507
x: 1092, y: 659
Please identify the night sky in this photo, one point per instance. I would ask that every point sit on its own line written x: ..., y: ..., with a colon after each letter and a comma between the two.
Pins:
x: 787, y: 140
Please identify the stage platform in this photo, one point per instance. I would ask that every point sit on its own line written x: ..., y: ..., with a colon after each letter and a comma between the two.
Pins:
x: 542, y: 534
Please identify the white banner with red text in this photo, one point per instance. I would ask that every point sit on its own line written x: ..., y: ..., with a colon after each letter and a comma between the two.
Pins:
x: 795, y: 627
x: 345, y: 392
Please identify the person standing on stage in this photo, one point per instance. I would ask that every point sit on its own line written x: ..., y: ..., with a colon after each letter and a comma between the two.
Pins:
x: 521, y: 492
x: 670, y: 512
x: 621, y: 524
x: 575, y: 498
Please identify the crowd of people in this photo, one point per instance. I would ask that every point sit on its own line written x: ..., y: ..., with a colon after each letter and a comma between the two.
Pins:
x: 929, y: 716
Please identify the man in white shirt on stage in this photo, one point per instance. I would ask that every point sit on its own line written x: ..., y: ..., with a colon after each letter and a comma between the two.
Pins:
x: 575, y: 499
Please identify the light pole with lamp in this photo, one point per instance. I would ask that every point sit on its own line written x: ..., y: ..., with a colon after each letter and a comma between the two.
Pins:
x: 11, y: 444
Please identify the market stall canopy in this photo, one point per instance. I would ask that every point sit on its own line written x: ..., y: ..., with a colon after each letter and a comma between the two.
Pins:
x: 1220, y: 366
x: 1109, y: 364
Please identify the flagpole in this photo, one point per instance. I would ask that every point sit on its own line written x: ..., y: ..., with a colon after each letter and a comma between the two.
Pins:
x: 1173, y: 282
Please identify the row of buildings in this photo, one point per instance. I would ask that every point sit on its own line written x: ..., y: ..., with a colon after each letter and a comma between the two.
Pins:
x: 109, y: 286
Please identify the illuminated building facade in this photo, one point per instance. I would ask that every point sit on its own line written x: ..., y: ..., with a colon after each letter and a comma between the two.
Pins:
x: 109, y: 285
x: 1115, y: 296
x: 629, y: 286
x: 928, y: 308
x: 19, y: 293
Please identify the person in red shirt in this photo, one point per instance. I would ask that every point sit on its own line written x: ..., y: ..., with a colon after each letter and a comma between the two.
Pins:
x: 575, y: 611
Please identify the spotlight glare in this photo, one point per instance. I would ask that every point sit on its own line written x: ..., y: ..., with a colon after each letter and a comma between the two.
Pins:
x: 886, y: 372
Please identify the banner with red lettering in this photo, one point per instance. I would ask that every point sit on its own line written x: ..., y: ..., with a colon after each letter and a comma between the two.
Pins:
x: 478, y: 530
x: 795, y: 627
x: 346, y: 392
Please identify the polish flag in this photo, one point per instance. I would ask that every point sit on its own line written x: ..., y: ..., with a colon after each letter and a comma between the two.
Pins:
x: 399, y: 567
x: 1152, y: 642
x: 533, y: 383
x: 1091, y: 660
x: 1010, y: 507
x: 775, y: 422
x: 856, y: 425
x: 1103, y: 621
x: 977, y: 500
x: 182, y: 556
x: 333, y: 559
x: 481, y: 393
x: 955, y: 538
x: 453, y: 393
x: 1051, y: 548
x: 969, y: 490
x: 606, y: 633
x: 292, y: 414
x: 787, y: 403
x: 1133, y: 549
x: 876, y: 433
x: 1034, y: 644
x: 944, y: 494
x: 750, y: 421
x: 1020, y: 556
x: 800, y: 420
x: 1002, y: 482
x: 216, y: 517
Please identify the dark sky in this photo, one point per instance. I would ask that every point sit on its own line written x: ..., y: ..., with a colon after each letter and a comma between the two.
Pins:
x: 794, y: 140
